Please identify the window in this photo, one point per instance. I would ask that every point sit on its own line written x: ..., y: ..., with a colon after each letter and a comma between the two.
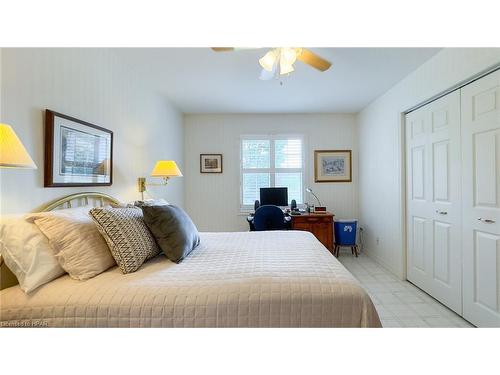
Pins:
x: 271, y: 162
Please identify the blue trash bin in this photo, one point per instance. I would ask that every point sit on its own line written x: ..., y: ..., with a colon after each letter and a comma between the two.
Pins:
x: 345, y: 234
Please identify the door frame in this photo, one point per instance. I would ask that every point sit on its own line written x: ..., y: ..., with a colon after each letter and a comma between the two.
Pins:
x: 403, y: 156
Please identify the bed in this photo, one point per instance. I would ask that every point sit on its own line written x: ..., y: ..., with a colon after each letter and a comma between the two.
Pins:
x: 237, y: 279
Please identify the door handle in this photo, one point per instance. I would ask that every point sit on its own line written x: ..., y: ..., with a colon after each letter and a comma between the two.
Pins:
x: 442, y: 212
x: 487, y: 221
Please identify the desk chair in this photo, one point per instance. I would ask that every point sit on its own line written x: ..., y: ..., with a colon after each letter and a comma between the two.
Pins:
x: 270, y: 217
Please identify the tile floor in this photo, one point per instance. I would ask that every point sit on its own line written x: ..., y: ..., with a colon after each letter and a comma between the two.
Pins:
x: 399, y: 303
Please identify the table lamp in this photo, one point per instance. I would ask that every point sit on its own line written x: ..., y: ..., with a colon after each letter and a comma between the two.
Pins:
x: 309, y: 190
x: 164, y: 169
x: 12, y: 152
x: 319, y: 209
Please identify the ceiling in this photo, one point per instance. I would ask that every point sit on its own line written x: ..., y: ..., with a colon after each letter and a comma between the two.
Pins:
x: 198, y: 80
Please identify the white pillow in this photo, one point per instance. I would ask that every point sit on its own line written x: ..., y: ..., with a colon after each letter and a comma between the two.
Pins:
x: 27, y: 253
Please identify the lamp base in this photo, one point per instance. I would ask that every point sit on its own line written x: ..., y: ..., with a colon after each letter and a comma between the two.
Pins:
x: 141, y: 184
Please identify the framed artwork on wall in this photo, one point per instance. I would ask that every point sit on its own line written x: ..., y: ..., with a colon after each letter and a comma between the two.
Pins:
x: 77, y: 153
x: 332, y: 166
x: 210, y: 163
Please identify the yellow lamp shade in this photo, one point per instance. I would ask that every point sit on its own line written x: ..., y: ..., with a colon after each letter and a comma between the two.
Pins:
x: 12, y: 152
x: 166, y: 168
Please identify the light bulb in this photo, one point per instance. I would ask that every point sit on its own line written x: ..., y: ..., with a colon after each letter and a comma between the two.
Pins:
x: 268, y: 60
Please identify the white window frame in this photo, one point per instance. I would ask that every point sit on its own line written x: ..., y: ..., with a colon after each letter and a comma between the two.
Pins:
x: 271, y: 170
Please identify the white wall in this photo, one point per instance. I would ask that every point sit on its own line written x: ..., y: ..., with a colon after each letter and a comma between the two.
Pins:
x: 380, y: 143
x: 212, y: 200
x: 95, y: 86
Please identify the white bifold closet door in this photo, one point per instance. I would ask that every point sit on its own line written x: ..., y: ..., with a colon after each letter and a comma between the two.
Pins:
x: 481, y: 200
x: 434, y: 259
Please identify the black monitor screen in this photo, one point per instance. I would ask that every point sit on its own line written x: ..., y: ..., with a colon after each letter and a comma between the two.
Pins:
x: 277, y: 196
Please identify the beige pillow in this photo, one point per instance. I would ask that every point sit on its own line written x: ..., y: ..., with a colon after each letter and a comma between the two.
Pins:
x: 77, y: 244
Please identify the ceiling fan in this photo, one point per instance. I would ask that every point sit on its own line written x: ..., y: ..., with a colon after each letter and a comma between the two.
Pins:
x: 279, y: 61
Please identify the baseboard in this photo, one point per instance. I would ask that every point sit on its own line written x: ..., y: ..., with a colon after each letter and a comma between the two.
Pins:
x: 385, y: 265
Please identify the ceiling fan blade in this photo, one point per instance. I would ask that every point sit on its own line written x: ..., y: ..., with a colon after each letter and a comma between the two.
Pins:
x: 222, y: 49
x: 313, y: 60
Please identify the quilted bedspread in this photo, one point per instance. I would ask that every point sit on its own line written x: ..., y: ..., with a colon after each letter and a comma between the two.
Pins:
x: 247, y: 279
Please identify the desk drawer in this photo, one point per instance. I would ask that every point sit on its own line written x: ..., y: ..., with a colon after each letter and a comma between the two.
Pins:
x: 320, y: 226
x: 302, y: 226
x: 313, y: 219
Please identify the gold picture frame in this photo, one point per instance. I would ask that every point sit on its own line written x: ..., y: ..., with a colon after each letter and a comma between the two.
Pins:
x: 332, y: 166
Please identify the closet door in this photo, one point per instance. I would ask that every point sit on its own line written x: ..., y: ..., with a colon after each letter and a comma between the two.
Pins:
x: 433, y: 202
x: 481, y: 200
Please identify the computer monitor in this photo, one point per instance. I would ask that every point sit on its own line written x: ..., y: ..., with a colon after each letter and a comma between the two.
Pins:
x: 277, y: 196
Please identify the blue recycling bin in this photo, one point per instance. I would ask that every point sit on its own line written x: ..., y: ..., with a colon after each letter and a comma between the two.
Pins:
x: 345, y: 235
x: 345, y: 232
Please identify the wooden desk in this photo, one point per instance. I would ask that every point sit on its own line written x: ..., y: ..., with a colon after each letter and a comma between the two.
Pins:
x: 321, y: 225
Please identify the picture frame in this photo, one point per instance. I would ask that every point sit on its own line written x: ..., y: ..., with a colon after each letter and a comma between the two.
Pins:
x: 77, y: 153
x: 332, y: 166
x: 210, y: 163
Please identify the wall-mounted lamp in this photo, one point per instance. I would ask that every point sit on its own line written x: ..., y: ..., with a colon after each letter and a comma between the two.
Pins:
x: 12, y: 152
x: 164, y: 169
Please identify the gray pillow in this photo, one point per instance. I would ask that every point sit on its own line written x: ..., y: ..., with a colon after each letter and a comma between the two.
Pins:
x: 173, y: 230
x: 151, y: 202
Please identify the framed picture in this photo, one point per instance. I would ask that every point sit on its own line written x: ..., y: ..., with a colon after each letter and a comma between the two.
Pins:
x: 332, y: 166
x: 77, y: 153
x: 210, y: 163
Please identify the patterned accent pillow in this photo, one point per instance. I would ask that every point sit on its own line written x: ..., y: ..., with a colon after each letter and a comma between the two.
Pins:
x: 127, y: 236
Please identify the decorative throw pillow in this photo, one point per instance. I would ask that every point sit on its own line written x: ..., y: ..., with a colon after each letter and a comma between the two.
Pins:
x: 127, y: 236
x: 27, y: 253
x: 77, y: 244
x: 173, y: 229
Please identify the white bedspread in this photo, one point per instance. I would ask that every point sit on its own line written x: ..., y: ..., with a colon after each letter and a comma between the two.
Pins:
x: 247, y: 279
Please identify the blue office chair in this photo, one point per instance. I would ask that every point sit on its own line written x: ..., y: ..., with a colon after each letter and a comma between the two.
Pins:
x: 270, y: 217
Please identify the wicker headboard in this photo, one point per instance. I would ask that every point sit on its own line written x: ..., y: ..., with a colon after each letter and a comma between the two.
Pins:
x: 93, y: 199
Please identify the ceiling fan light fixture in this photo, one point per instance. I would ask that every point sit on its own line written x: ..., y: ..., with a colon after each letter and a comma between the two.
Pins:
x: 265, y: 75
x: 268, y: 60
x: 288, y: 56
x: 284, y: 58
x: 285, y: 68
